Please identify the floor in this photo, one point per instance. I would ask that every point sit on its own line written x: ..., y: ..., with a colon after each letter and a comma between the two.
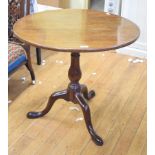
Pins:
x: 118, y: 110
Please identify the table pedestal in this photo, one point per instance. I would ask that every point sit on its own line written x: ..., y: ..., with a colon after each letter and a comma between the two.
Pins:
x: 75, y: 93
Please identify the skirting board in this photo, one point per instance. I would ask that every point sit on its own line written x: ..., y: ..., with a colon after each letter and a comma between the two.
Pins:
x: 132, y: 52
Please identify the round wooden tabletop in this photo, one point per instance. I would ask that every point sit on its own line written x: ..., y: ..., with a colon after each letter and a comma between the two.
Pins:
x: 76, y: 30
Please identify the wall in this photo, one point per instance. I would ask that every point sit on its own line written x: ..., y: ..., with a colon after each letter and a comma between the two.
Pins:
x: 135, y: 10
x: 83, y: 4
x: 49, y: 2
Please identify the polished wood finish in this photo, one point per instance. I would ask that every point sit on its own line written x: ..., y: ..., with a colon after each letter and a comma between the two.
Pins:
x: 118, y: 110
x: 76, y: 30
x: 38, y: 55
x: 29, y: 64
x: 74, y: 93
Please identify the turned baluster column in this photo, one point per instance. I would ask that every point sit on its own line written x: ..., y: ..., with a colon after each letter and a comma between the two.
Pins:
x: 74, y: 75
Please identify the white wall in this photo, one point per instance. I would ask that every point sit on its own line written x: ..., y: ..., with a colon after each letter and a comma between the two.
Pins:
x: 135, y: 10
x: 81, y: 4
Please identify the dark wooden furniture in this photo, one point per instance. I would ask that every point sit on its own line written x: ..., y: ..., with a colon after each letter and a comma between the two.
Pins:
x: 16, y: 10
x: 18, y: 55
x: 18, y: 52
x: 75, y: 31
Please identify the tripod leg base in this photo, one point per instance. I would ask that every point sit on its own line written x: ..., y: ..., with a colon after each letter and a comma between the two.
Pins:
x: 88, y: 95
x: 86, y: 112
x: 55, y: 96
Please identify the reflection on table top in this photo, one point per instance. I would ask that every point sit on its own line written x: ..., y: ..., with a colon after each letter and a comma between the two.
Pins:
x: 76, y: 30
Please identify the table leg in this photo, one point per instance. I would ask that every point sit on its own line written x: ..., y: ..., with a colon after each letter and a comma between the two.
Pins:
x: 55, y: 96
x: 86, y: 112
x: 88, y: 95
x: 75, y: 93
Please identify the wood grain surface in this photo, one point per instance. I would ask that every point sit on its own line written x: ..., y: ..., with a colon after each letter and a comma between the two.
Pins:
x: 118, y: 110
x: 76, y: 30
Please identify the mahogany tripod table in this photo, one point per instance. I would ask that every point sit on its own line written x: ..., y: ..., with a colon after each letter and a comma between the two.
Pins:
x: 75, y: 31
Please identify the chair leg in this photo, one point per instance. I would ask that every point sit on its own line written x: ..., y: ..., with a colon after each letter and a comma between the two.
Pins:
x: 38, y: 55
x: 29, y: 65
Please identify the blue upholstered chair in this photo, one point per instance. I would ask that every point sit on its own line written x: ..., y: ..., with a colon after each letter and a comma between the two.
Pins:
x: 18, y: 52
x: 17, y: 9
x: 18, y: 56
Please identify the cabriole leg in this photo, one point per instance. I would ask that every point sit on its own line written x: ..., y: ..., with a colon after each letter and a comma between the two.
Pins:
x: 55, y: 96
x: 86, y: 112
